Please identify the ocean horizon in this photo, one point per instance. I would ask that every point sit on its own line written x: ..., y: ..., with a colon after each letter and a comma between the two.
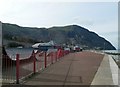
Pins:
x: 112, y: 51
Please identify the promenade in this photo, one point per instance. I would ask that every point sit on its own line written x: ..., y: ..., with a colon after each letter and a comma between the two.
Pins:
x: 74, y: 69
x: 83, y: 69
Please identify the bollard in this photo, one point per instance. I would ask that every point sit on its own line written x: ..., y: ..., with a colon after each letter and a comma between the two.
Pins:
x: 17, y: 68
x: 45, y: 59
x: 34, y: 63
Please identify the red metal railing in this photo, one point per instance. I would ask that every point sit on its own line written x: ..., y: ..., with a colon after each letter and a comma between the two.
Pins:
x: 15, y: 69
x: 8, y: 69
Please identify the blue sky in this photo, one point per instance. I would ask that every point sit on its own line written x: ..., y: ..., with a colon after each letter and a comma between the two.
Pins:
x: 100, y: 17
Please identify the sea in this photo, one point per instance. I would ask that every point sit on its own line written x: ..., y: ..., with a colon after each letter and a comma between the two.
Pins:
x: 23, y: 52
x: 114, y: 53
x: 26, y: 52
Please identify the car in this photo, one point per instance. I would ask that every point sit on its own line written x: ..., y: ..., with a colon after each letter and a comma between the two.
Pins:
x: 77, y: 49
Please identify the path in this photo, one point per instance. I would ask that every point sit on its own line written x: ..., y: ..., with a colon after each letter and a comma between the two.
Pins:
x: 74, y: 69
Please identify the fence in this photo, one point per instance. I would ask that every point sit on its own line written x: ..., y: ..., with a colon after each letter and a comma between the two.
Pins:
x: 16, y: 69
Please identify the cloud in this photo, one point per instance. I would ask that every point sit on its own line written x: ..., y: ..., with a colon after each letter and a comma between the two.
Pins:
x: 108, y: 30
x: 83, y: 21
x: 98, y: 17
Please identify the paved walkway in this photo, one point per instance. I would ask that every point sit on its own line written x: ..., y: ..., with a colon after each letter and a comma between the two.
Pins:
x: 74, y: 69
x: 104, y: 74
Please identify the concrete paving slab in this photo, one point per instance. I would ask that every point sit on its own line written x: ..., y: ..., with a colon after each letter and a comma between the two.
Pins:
x: 74, y: 69
x: 103, y: 75
x: 114, y: 70
x: 83, y: 67
x: 54, y: 74
x: 119, y: 77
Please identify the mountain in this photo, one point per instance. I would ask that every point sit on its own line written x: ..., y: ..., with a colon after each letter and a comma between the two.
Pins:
x: 14, y: 35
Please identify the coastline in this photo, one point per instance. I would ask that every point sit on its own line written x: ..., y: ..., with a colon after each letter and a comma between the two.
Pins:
x: 115, y: 57
x: 115, y: 54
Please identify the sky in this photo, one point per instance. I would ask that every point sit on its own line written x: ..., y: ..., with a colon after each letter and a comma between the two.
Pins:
x: 100, y: 17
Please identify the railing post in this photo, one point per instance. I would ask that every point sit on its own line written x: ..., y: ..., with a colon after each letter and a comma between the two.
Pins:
x: 34, y: 63
x: 63, y: 52
x: 17, y: 68
x: 52, y: 58
x: 56, y: 55
x: 60, y: 53
x: 45, y: 59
